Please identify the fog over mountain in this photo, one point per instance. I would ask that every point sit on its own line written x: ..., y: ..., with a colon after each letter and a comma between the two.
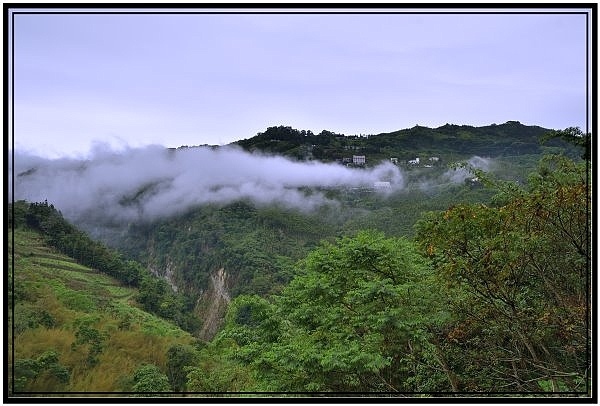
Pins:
x: 459, y: 174
x: 146, y: 183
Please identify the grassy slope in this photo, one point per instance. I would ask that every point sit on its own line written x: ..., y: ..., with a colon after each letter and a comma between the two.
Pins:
x: 50, y: 284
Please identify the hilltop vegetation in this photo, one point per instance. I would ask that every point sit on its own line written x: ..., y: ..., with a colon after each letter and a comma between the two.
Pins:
x: 448, y: 142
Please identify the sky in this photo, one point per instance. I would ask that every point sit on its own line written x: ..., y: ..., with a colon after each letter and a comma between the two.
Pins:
x: 132, y: 80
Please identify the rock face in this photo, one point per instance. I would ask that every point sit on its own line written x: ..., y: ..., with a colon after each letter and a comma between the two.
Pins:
x: 169, y: 275
x: 212, y: 304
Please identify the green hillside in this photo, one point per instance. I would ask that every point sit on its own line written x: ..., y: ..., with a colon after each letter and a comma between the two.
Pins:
x: 76, y: 330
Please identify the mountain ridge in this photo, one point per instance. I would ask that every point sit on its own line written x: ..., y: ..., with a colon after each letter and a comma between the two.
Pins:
x: 451, y: 141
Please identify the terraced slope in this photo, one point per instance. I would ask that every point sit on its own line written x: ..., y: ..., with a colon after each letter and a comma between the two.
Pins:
x: 92, y: 325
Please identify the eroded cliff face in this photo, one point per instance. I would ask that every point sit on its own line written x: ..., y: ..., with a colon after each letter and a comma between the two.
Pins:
x: 168, y: 274
x: 212, y: 304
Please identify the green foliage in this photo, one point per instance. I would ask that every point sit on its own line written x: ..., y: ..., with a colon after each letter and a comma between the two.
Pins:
x: 450, y: 142
x: 517, y: 278
x: 93, y: 339
x: 494, y: 299
x: 59, y: 233
x: 493, y: 296
x: 216, y: 371
x: 150, y: 379
x: 574, y: 136
x: 28, y: 317
x: 255, y: 245
x: 349, y: 321
x: 46, y: 366
x: 179, y: 357
x: 155, y: 295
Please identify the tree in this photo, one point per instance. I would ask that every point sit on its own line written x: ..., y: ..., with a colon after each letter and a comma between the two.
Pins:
x: 218, y: 371
x: 27, y: 371
x: 517, y: 277
x: 151, y: 292
x: 575, y: 136
x: 179, y: 357
x: 94, y: 339
x: 149, y: 378
x: 353, y: 319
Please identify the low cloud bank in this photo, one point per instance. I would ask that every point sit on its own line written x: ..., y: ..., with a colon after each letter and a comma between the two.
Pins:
x: 151, y: 182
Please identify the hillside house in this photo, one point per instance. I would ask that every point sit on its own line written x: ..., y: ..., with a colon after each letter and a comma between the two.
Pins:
x: 394, y: 161
x: 382, y: 186
x: 414, y: 161
x: 434, y: 159
x: 358, y: 159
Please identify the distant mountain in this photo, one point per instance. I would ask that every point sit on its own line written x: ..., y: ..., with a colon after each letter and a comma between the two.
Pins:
x: 450, y: 142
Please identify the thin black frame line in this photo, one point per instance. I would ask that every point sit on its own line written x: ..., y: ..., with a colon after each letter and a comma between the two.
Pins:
x: 591, y: 83
x: 12, y: 131
x: 374, y: 394
x: 587, y: 204
x: 450, y: 6
x: 287, y: 12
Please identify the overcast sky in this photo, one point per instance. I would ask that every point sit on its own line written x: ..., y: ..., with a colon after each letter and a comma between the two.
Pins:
x: 190, y: 79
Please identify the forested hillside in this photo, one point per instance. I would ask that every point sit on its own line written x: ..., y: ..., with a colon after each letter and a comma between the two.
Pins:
x: 252, y: 246
x: 449, y: 142
x: 472, y: 277
x: 485, y: 299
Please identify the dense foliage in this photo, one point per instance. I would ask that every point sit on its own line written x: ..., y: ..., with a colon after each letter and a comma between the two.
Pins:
x: 256, y: 245
x: 353, y: 319
x: 517, y: 276
x: 450, y: 142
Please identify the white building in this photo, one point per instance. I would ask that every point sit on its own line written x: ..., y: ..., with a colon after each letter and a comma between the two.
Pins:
x: 358, y: 159
x: 382, y: 185
x: 414, y: 161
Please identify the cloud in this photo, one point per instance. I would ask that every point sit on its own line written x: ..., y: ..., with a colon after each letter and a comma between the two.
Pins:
x: 151, y: 182
x: 459, y: 174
